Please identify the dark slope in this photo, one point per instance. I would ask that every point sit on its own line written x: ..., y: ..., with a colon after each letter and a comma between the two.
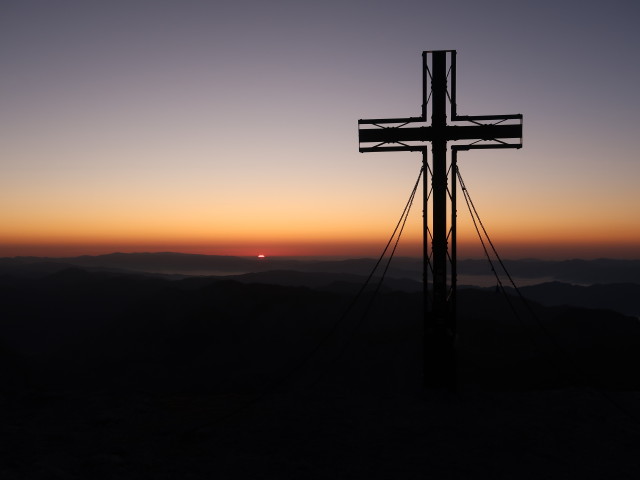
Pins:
x: 544, y: 347
x: 621, y: 297
x: 129, y: 330
x: 209, y: 333
x: 107, y: 375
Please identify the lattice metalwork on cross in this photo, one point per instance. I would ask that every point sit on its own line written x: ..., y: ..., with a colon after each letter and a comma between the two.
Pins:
x: 415, y: 134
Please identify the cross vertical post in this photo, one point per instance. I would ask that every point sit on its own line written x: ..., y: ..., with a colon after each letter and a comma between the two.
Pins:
x: 438, y: 340
x: 439, y: 232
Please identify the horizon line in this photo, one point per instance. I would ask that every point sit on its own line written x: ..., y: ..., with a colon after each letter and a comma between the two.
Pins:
x: 292, y: 257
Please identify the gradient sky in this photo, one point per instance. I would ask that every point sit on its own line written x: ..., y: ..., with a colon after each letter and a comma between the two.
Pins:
x: 230, y: 127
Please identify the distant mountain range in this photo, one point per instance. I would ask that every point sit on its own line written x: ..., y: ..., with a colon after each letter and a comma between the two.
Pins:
x: 581, y: 272
x: 602, y: 283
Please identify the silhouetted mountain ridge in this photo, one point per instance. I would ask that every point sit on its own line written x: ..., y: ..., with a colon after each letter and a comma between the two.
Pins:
x: 76, y: 327
x: 577, y: 271
x: 348, y: 275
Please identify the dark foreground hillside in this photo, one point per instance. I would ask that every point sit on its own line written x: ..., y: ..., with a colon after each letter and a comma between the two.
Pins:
x: 122, y: 376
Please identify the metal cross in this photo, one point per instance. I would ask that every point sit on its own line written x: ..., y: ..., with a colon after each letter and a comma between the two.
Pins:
x: 472, y: 132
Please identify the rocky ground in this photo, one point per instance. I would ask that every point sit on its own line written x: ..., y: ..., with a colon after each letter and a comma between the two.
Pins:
x: 556, y: 434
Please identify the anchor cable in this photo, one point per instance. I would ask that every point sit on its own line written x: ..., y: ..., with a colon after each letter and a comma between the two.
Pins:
x: 363, y: 317
x: 577, y: 371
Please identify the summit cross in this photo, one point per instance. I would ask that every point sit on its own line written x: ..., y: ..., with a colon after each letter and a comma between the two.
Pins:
x: 439, y: 236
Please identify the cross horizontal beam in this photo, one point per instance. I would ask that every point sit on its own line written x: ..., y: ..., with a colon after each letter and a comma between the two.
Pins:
x: 449, y: 132
x: 399, y: 134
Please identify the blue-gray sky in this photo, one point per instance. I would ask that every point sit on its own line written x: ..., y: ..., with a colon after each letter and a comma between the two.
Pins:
x: 230, y: 126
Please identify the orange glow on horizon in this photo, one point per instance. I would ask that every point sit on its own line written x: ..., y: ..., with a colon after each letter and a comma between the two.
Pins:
x: 466, y: 249
x: 324, y: 232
